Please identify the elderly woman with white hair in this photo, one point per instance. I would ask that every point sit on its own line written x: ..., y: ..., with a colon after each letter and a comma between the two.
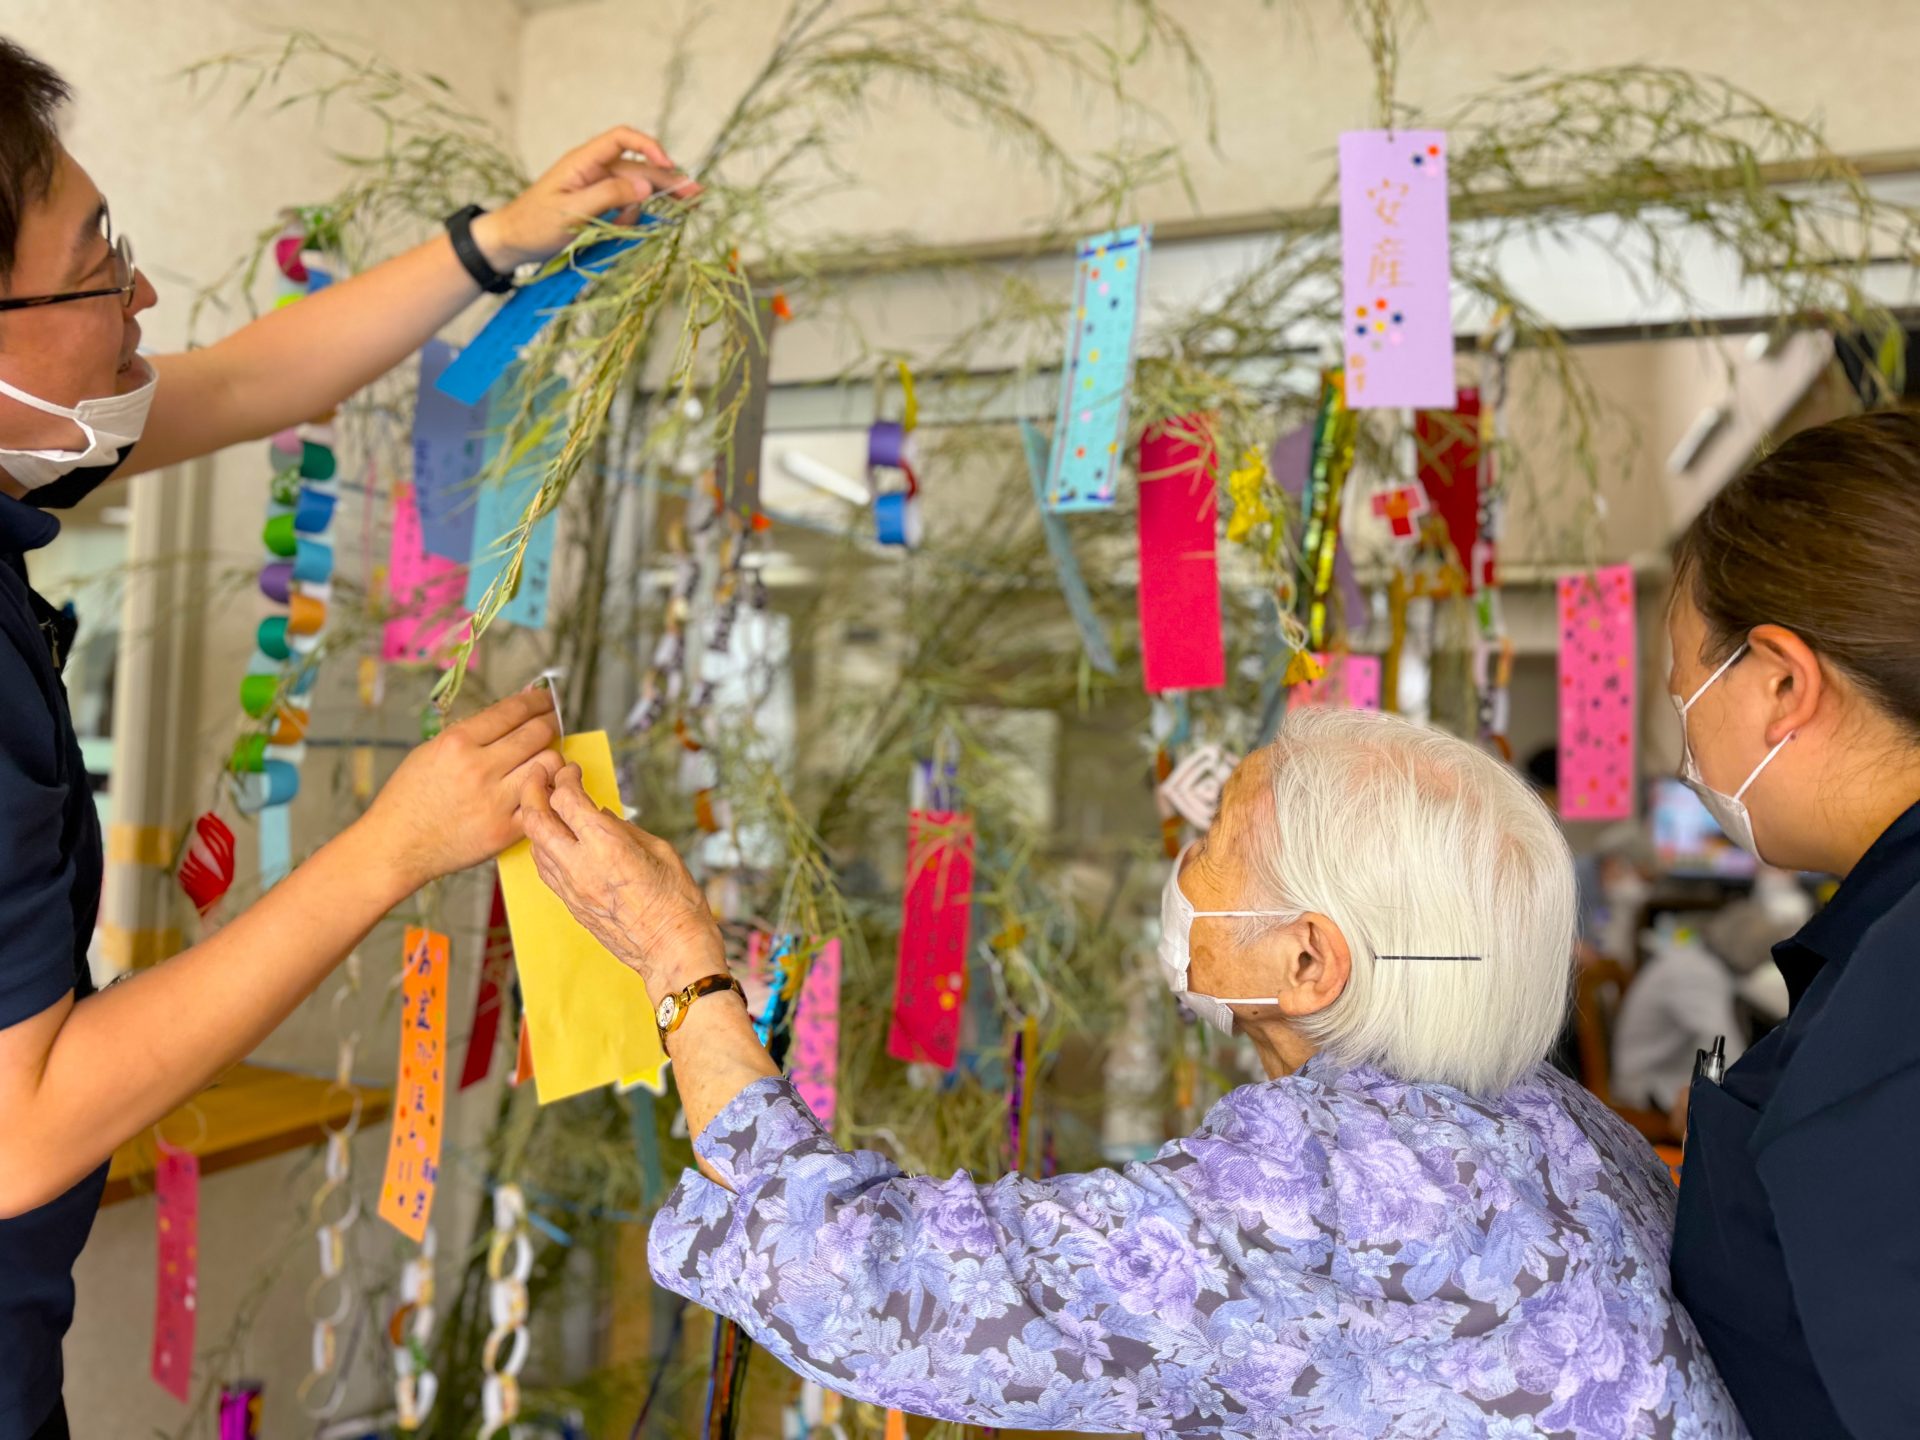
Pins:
x: 1411, y: 1228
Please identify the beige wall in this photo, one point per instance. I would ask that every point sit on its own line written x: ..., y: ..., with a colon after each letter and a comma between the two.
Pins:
x: 192, y: 185
x: 1284, y: 89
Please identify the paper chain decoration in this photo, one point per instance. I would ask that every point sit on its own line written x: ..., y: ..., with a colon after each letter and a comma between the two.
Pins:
x: 723, y: 544
x: 509, y: 1264
x: 334, y: 1209
x: 896, y: 513
x: 415, y: 1386
x: 265, y: 767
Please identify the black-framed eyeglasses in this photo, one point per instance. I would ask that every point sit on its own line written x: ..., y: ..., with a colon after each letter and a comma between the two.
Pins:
x: 121, y: 259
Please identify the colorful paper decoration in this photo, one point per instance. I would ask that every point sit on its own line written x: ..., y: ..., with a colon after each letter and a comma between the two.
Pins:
x: 588, y: 1016
x: 1597, y: 692
x: 240, y: 1411
x: 1349, y: 682
x: 897, y: 520
x: 1401, y: 507
x: 496, y: 965
x: 1180, y: 640
x: 1193, y: 787
x: 206, y: 870
x: 522, y: 1056
x: 1398, y: 321
x: 1334, y: 430
x: 814, y: 1061
x: 449, y: 447
x: 1448, y: 446
x: 1066, y: 565
x: 425, y: 615
x: 936, y: 918
x: 176, y: 1205
x: 1096, y: 381
x: 419, y: 1091
x: 503, y: 501
x: 264, y: 772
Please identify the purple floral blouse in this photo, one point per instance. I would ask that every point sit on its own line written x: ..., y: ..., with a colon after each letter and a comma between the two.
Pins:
x: 1334, y: 1254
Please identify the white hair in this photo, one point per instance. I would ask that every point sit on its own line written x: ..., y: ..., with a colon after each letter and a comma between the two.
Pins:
x: 1417, y: 844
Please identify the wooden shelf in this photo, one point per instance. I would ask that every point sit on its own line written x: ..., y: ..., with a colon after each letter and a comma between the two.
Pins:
x: 251, y: 1112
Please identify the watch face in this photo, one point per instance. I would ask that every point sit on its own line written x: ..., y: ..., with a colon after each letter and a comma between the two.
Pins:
x: 664, y: 1015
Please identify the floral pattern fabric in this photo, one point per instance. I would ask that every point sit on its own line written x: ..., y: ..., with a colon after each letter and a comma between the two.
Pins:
x: 1334, y: 1254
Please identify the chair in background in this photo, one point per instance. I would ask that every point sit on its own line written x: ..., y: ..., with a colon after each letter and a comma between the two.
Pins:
x: 1598, y: 989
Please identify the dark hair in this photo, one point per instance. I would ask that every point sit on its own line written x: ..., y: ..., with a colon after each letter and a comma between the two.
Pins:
x: 1823, y: 537
x: 31, y: 94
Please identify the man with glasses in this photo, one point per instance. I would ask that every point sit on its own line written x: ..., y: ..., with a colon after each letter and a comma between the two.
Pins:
x: 81, y: 1073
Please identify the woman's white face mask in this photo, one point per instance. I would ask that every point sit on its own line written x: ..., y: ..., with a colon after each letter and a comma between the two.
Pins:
x: 1176, y: 928
x: 1729, y: 811
x: 110, y: 424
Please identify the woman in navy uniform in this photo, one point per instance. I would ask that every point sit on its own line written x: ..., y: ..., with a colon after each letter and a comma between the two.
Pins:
x: 1795, y: 627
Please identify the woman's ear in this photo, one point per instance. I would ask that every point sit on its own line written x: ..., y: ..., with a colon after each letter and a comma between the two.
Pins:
x: 1795, y: 681
x: 1318, y: 966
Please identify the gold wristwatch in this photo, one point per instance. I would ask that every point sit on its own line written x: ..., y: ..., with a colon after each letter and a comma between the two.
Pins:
x: 673, y: 1008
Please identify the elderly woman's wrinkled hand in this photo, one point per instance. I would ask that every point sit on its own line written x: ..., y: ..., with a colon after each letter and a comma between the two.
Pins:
x: 628, y: 888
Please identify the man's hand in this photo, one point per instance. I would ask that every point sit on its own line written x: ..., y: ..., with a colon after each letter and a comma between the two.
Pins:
x: 625, y: 886
x: 454, y: 801
x: 600, y: 176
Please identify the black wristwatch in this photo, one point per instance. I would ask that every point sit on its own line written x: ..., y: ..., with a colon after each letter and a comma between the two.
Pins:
x: 460, y: 230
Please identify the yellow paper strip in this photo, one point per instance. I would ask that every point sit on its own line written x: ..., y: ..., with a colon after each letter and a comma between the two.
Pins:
x: 588, y: 1016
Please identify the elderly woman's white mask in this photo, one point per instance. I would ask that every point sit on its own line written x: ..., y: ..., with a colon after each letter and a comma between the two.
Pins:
x: 1176, y: 925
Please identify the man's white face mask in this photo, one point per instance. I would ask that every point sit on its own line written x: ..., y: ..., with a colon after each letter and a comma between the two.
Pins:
x: 111, y: 425
x: 1176, y: 926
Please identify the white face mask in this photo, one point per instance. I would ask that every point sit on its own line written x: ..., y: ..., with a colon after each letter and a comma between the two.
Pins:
x: 111, y: 425
x: 1176, y: 925
x: 1728, y: 811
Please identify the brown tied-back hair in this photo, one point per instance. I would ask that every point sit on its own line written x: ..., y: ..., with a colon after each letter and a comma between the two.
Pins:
x: 1822, y: 537
x: 31, y: 94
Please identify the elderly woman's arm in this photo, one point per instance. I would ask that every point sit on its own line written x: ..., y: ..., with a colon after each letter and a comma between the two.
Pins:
x: 1077, y: 1303
x: 1071, y: 1303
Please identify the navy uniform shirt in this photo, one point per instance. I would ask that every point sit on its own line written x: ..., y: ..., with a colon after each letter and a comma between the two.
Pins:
x: 1797, y: 1249
x: 50, y: 870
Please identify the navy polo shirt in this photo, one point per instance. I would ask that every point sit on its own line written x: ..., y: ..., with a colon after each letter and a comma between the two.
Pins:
x: 50, y: 870
x: 1798, y: 1244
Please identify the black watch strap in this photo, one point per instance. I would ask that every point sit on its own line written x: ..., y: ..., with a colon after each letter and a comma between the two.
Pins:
x: 460, y: 230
